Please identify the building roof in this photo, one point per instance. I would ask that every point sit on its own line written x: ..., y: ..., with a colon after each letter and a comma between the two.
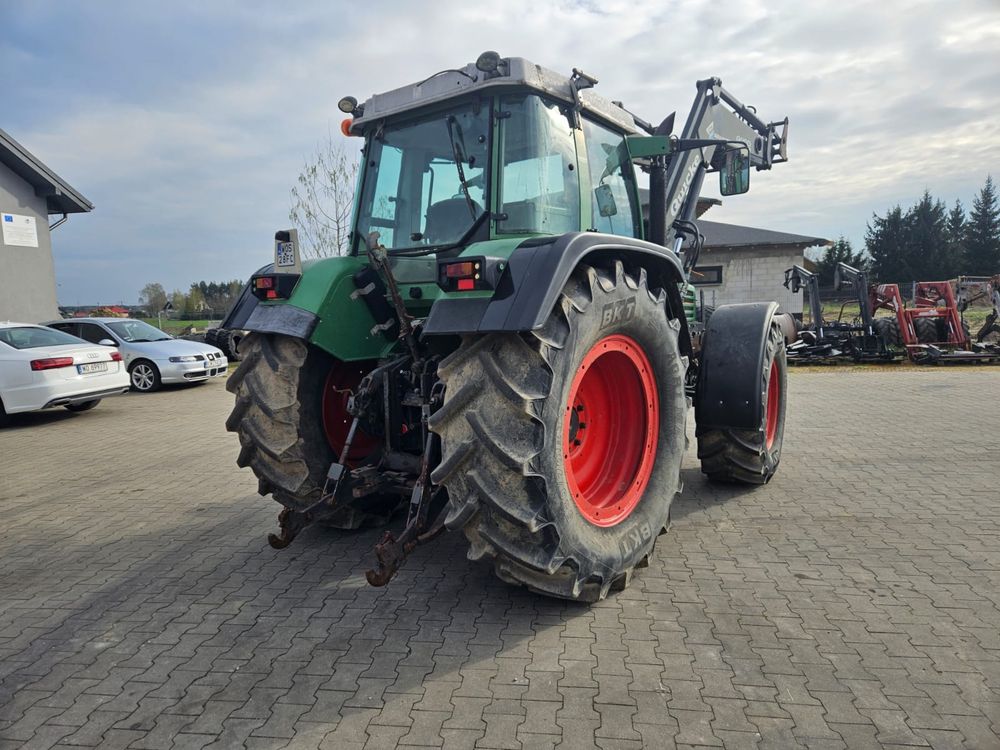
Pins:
x: 60, y: 197
x: 719, y: 236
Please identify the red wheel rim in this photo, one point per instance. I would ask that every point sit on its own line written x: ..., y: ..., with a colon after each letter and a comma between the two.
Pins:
x: 344, y: 377
x: 610, y: 430
x: 773, y: 402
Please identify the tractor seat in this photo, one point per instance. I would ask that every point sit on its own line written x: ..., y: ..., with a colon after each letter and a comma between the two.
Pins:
x: 448, y: 220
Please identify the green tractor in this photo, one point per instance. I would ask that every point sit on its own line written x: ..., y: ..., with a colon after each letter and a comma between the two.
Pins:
x: 505, y: 348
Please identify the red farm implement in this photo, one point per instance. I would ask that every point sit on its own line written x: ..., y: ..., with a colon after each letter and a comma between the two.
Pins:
x: 932, y: 330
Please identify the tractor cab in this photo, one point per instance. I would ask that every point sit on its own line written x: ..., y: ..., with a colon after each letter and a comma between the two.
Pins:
x: 505, y: 160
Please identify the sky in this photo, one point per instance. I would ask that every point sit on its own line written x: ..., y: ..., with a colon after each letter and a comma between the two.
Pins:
x: 186, y: 123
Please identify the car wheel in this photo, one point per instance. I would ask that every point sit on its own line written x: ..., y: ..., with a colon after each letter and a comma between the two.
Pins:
x: 4, y: 417
x: 145, y: 377
x: 83, y: 405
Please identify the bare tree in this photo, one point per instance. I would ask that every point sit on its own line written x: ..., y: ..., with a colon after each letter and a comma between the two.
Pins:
x: 322, y: 200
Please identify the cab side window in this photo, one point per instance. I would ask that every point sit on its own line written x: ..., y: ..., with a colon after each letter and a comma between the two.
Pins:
x: 613, y: 204
x: 539, y: 185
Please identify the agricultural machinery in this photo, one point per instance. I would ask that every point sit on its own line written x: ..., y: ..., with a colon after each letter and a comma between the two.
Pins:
x: 505, y: 350
x: 862, y: 340
x: 932, y: 331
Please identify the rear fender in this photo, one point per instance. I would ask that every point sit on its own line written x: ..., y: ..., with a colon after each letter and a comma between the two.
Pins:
x: 732, y: 359
x: 322, y: 311
x: 536, y: 273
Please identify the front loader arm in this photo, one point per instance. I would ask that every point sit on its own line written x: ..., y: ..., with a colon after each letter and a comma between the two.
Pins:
x: 675, y: 181
x: 845, y: 276
x: 797, y: 277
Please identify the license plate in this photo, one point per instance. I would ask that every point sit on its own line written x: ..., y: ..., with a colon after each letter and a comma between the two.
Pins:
x: 92, y: 367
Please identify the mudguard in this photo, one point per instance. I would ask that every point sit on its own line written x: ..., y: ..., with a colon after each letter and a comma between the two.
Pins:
x: 732, y: 357
x: 245, y: 304
x: 536, y: 273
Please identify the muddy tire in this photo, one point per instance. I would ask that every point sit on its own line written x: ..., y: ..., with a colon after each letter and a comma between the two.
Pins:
x: 888, y: 330
x: 278, y: 418
x: 751, y: 456
x: 563, y: 507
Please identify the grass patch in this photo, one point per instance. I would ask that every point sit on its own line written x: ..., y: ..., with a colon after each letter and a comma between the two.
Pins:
x: 174, y: 327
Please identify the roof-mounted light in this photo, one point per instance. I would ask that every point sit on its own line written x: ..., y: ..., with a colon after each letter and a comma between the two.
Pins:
x: 488, y: 62
x: 347, y: 105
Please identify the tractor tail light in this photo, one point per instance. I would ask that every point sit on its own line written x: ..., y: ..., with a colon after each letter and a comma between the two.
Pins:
x: 468, y: 274
x: 465, y: 269
x: 51, y: 363
x: 274, y: 286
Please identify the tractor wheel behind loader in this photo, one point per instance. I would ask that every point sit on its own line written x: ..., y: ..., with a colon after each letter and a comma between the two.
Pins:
x: 751, y: 456
x: 926, y: 330
x: 888, y: 329
x: 291, y: 419
x: 561, y: 448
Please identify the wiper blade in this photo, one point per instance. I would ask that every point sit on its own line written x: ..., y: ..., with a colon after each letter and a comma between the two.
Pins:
x: 458, y: 149
x: 463, y: 240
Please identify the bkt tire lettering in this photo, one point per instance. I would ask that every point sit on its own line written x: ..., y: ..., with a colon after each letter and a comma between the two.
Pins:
x: 617, y: 312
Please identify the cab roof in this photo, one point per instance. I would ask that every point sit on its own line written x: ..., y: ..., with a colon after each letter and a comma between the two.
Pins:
x: 511, y: 73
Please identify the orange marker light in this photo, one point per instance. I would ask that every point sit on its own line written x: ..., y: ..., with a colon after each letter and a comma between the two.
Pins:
x: 458, y: 270
x: 345, y: 126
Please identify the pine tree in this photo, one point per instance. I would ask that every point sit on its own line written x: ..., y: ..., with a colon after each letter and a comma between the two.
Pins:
x: 926, y: 246
x: 839, y: 252
x: 885, y: 241
x: 982, y: 238
x: 955, y: 235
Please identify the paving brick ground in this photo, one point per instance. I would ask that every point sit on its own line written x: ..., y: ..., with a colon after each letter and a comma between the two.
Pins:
x: 853, y: 602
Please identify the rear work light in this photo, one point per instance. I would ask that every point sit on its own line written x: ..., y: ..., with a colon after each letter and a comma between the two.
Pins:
x: 52, y: 363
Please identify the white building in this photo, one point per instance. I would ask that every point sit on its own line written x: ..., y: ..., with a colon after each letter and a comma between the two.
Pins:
x: 747, y: 264
x: 30, y: 193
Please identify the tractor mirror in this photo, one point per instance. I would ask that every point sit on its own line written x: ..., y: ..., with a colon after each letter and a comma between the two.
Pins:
x: 734, y: 177
x: 606, y: 205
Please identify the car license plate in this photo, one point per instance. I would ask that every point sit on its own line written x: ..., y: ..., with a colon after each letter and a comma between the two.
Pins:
x: 92, y: 367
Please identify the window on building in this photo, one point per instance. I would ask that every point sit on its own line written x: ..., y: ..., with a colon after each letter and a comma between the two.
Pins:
x: 706, y: 275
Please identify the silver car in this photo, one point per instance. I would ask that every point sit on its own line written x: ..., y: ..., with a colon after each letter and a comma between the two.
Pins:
x: 151, y: 356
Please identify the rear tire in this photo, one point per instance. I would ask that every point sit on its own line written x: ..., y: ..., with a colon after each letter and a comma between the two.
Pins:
x: 751, y: 456
x: 531, y: 498
x: 888, y: 330
x: 278, y: 417
x: 83, y: 405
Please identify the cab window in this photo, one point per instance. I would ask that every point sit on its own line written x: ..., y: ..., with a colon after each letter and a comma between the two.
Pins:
x: 539, y: 184
x: 613, y: 204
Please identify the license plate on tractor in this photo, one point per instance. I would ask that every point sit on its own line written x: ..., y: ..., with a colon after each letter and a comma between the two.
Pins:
x: 92, y: 367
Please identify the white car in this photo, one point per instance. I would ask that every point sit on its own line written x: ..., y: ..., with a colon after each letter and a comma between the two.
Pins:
x: 151, y: 356
x: 41, y: 368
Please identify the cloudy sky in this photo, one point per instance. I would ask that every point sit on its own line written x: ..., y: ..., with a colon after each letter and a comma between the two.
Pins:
x: 186, y: 123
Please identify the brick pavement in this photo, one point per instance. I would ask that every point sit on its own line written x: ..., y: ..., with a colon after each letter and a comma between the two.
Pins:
x: 853, y: 602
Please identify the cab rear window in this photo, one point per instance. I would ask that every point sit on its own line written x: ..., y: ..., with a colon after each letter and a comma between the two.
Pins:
x: 31, y: 337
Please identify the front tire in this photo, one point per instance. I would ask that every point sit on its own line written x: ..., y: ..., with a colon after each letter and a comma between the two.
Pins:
x: 145, y: 376
x: 561, y: 448
x: 751, y: 456
x: 279, y: 418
